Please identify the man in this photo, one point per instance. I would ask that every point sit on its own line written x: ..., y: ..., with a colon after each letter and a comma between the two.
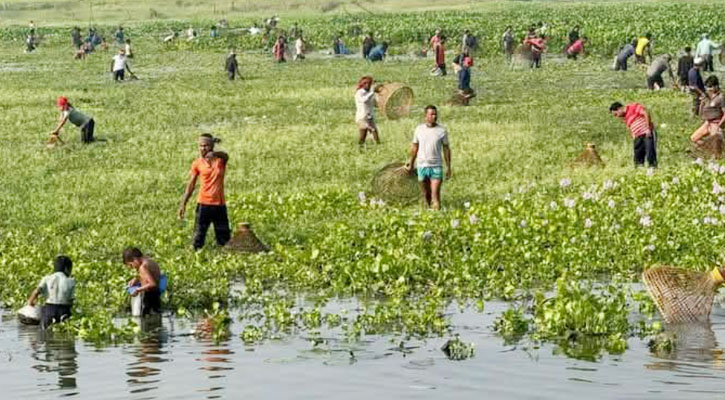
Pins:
x: 684, y: 64
x: 696, y: 85
x: 468, y: 42
x: 279, y: 49
x: 119, y: 35
x: 68, y: 113
x: 624, y: 53
x: 640, y: 125
x: 430, y: 146
x: 58, y: 289
x: 210, y: 205
x: 655, y: 71
x: 146, y: 282
x: 712, y: 113
x: 465, y: 92
x: 378, y: 52
x: 129, y: 51
x: 508, y: 42
x: 704, y: 49
x: 75, y: 35
x: 573, y: 35
x: 367, y: 45
x: 365, y: 110
x: 537, y: 45
x: 439, y: 50
x: 299, y: 48
x: 231, y: 65
x: 643, y: 49
x: 119, y: 65
x: 576, y: 48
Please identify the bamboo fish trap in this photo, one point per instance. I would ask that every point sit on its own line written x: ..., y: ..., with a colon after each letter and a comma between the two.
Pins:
x: 682, y: 295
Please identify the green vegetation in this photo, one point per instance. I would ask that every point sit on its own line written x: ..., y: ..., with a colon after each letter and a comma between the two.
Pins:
x: 518, y: 221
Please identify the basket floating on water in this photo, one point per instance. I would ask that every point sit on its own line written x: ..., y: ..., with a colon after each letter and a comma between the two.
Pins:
x: 245, y: 241
x: 394, y: 100
x: 682, y: 295
x: 394, y: 183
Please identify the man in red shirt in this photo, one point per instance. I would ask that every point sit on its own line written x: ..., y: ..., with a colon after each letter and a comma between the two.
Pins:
x: 537, y: 45
x: 640, y: 125
x: 576, y: 48
x: 210, y: 204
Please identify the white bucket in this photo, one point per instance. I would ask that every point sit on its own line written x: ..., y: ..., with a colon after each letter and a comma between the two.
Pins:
x: 137, y: 305
x: 29, y: 315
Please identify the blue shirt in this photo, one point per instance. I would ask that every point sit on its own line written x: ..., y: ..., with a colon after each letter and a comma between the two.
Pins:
x: 464, y: 78
x: 377, y: 53
x: 695, y: 79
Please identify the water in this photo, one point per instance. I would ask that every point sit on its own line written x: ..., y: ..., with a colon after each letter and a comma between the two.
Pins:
x: 174, y: 364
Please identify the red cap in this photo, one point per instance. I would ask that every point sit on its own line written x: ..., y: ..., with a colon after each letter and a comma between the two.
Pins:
x: 468, y: 62
x: 62, y: 101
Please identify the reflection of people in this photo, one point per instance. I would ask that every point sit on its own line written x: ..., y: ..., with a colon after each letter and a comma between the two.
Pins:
x: 146, y: 282
x: 58, y: 289
x: 211, y: 206
x: 148, y: 352
x: 54, y: 353
x: 430, y: 148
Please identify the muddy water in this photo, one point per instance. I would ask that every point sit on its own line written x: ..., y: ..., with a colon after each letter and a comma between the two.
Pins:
x: 173, y: 364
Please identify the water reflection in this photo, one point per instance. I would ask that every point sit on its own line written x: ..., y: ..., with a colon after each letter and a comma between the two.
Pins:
x: 54, y: 354
x: 143, y: 372
x: 216, y: 360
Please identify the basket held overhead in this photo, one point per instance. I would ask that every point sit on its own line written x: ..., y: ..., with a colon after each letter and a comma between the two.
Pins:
x: 682, y: 295
x: 394, y: 183
x: 245, y: 241
x: 394, y: 100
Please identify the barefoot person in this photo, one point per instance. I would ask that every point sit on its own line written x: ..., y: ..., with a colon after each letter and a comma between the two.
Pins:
x: 146, y: 282
x: 430, y: 147
x: 210, y: 204
x: 712, y: 112
x: 68, y: 113
x: 640, y: 125
x: 58, y: 290
x: 365, y: 110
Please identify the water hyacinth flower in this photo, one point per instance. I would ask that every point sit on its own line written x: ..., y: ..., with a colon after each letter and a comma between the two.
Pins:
x: 467, y: 205
x: 588, y: 223
x: 523, y: 223
x: 716, y: 188
x: 675, y: 180
x: 611, y: 203
x: 645, y: 221
x: 553, y: 205
x: 639, y: 210
x: 650, y: 171
x: 722, y: 169
x: 362, y: 197
x: 570, y: 203
x: 699, y: 161
x: 695, y: 221
x: 650, y: 247
x: 455, y: 223
x: 587, y: 196
x: 609, y: 184
x: 427, y: 235
x: 564, y: 183
x: 616, y: 227
x: 473, y: 219
x: 710, y: 221
x: 721, y: 209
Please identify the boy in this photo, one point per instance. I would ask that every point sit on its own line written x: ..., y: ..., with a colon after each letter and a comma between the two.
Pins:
x: 58, y: 289
x: 147, y: 280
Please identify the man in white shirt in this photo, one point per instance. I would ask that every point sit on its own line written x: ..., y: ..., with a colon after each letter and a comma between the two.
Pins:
x: 704, y: 49
x: 365, y: 106
x: 118, y: 65
x: 430, y: 147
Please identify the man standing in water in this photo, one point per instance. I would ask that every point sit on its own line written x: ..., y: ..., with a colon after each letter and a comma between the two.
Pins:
x: 640, y: 125
x: 430, y: 146
x: 210, y: 207
x: 365, y: 110
x: 147, y: 280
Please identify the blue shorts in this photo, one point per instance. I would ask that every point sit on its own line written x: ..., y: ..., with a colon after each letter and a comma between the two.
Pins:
x: 430, y: 173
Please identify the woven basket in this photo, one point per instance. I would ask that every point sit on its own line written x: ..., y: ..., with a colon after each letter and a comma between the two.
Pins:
x: 393, y: 183
x: 682, y: 295
x: 589, y: 157
x: 394, y: 100
x: 710, y: 147
x: 245, y: 241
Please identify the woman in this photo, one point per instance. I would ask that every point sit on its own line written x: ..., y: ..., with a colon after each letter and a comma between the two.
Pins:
x: 712, y: 111
x: 68, y: 113
x: 279, y: 49
x: 58, y: 288
x: 365, y: 106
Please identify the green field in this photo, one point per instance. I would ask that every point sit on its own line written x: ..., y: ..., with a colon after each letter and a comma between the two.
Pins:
x: 295, y: 173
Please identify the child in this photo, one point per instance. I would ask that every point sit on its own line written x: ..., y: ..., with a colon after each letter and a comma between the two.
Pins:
x: 146, y: 282
x: 58, y: 288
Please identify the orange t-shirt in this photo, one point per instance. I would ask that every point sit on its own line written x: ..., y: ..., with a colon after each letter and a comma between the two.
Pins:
x: 212, y: 180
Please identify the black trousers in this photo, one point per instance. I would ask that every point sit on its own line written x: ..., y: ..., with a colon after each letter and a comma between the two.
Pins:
x: 87, y: 131
x: 151, y: 302
x: 205, y: 216
x: 118, y: 75
x: 535, y: 60
x: 54, y: 313
x: 709, y: 63
x: 651, y: 80
x: 621, y: 65
x: 645, y: 147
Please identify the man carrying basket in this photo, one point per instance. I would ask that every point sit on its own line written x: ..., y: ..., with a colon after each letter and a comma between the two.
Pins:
x: 365, y: 109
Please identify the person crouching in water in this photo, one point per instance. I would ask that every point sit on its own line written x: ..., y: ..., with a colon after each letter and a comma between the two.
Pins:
x: 712, y: 111
x: 68, y: 113
x: 210, y: 205
x: 365, y: 110
x: 58, y: 290
x: 146, y: 281
x: 464, y: 81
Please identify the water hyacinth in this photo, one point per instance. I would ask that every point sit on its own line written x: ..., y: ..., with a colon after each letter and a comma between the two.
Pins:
x: 569, y: 202
x: 455, y: 223
x: 645, y: 221
x: 611, y: 203
x: 716, y: 188
x: 588, y: 223
x: 473, y: 219
x: 362, y: 197
x: 553, y: 205
x: 565, y: 183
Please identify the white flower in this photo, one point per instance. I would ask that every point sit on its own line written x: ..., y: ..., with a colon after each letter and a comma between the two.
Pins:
x: 664, y: 186
x: 523, y: 223
x: 507, y: 197
x: 645, y: 221
x: 647, y: 205
x: 721, y: 209
x: 467, y: 205
x: 695, y: 221
x: 699, y: 161
x: 650, y: 171
x: 611, y: 204
x: 427, y: 235
x: 566, y: 182
x: 587, y: 196
x: 362, y: 197
x: 608, y: 184
x: 663, y: 126
x: 721, y: 199
x: 545, y: 222
x: 616, y: 227
x: 639, y: 210
x: 455, y: 223
x: 473, y: 219
x: 695, y: 189
x: 571, y: 203
x: 588, y: 223
x: 675, y: 180
x: 722, y: 169
x: 650, y: 247
x: 713, y: 166
x: 553, y: 205
x: 716, y: 188
x: 572, y: 240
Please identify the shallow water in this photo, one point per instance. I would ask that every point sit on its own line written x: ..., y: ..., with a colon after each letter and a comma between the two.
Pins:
x: 174, y: 364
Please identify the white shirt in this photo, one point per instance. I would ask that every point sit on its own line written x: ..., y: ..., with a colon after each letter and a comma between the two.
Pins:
x: 119, y: 62
x: 364, y: 104
x: 430, y: 141
x: 128, y: 49
x: 299, y: 46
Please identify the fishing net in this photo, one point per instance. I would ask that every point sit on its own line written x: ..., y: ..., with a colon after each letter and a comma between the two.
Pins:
x: 682, y: 295
x: 394, y: 183
x: 589, y: 157
x: 245, y: 241
x: 395, y: 100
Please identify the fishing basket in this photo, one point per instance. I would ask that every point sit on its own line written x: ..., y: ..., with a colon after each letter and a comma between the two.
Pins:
x: 394, y: 183
x: 394, y: 100
x: 682, y: 295
x: 245, y: 241
x: 589, y: 157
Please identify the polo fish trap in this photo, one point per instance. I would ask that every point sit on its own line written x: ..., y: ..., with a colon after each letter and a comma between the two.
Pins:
x: 245, y: 241
x: 682, y: 295
x: 394, y: 183
x: 589, y: 157
x: 394, y: 100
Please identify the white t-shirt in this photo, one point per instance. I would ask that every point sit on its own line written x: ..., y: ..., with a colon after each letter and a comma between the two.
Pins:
x: 299, y: 46
x: 57, y: 288
x: 119, y: 62
x: 430, y: 141
x: 128, y: 49
x: 364, y: 104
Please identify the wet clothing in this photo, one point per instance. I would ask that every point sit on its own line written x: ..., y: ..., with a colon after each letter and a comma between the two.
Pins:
x: 655, y: 71
x: 151, y: 302
x: 684, y: 64
x: 624, y: 54
x: 694, y: 79
x: 207, y: 215
x: 54, y: 313
x: 432, y: 173
x: 645, y: 148
x: 57, y: 288
x: 642, y: 44
x: 211, y: 173
x: 430, y: 141
x: 575, y: 49
x: 119, y: 75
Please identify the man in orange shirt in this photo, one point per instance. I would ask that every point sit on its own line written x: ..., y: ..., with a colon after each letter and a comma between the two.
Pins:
x: 210, y: 207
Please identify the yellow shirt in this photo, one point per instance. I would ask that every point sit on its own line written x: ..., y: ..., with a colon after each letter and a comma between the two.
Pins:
x: 641, y: 44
